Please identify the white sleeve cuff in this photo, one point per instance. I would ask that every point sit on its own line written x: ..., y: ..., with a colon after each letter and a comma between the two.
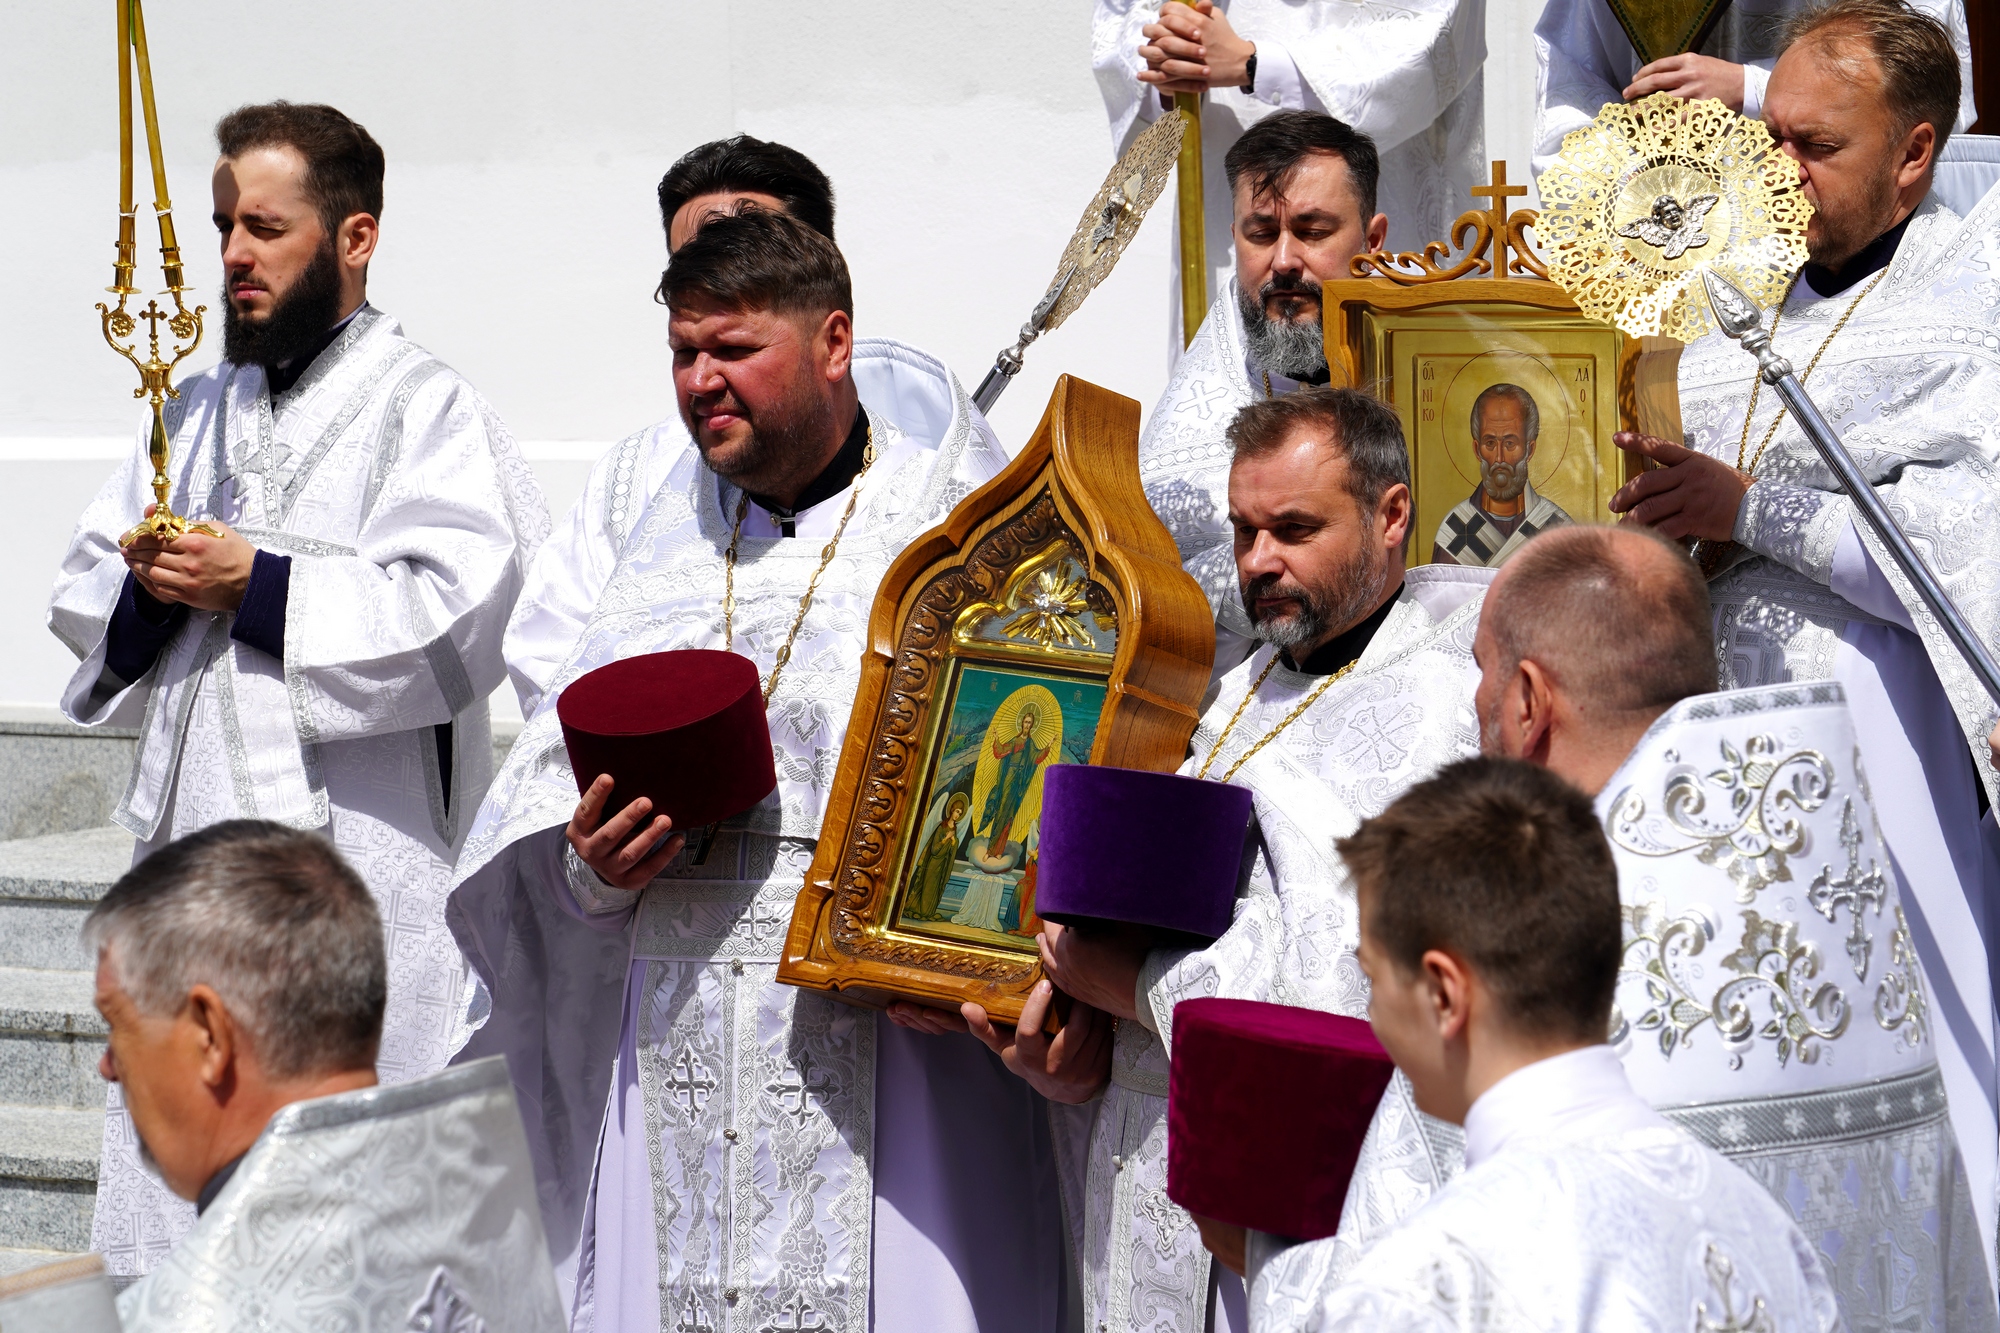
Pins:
x: 1755, y: 79
x: 1278, y: 81
x: 592, y: 894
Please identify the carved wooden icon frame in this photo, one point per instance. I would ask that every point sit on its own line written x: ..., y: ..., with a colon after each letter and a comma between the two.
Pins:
x: 1051, y: 603
x: 1405, y: 321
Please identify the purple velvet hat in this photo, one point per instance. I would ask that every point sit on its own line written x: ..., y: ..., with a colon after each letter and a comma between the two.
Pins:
x: 1266, y: 1109
x: 1152, y: 849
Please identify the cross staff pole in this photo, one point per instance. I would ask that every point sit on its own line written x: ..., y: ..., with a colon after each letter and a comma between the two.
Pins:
x: 1738, y: 316
x: 1193, y: 226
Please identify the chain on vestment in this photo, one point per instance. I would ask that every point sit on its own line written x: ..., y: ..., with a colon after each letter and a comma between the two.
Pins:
x: 806, y: 601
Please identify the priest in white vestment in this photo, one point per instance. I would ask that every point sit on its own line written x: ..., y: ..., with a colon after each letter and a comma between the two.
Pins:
x: 1770, y: 1000
x: 715, y: 1149
x: 1362, y: 686
x: 571, y: 569
x: 1895, y: 309
x: 242, y: 975
x: 1406, y: 73
x: 326, y: 661
x: 1489, y: 935
x: 1303, y: 188
x: 1584, y: 59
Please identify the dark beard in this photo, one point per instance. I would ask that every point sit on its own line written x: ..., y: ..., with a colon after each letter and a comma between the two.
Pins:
x: 798, y: 427
x: 1838, y: 244
x: 1295, y: 351
x: 1343, y: 604
x: 298, y: 319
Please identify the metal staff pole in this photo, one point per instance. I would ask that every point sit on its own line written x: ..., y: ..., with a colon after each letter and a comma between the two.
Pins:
x: 1739, y: 317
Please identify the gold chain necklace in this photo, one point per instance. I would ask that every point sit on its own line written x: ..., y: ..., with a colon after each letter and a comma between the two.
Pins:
x: 1272, y: 734
x: 1757, y: 383
x: 806, y: 601
x: 1267, y: 384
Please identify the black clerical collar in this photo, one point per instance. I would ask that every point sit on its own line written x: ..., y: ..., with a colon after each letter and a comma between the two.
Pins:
x: 836, y: 477
x: 215, y: 1184
x: 282, y: 377
x: 1319, y: 378
x: 1346, y: 646
x: 1873, y: 258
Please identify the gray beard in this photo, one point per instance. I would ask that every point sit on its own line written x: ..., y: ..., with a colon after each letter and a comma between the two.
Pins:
x: 1295, y: 351
x: 1350, y: 597
x: 1503, y: 481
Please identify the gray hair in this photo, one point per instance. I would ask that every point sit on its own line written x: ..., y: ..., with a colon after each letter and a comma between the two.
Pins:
x: 1519, y: 395
x: 275, y: 921
x: 1365, y: 430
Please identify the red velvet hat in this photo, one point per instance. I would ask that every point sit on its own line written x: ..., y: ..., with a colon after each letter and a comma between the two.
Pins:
x: 1266, y: 1109
x: 685, y: 728
x: 1153, y: 849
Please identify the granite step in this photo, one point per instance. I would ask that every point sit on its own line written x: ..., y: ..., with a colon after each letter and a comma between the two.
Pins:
x: 48, y: 884
x: 48, y: 1176
x: 51, y: 1037
x: 20, y: 1261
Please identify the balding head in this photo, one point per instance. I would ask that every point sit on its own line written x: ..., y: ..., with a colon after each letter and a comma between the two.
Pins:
x: 1588, y: 635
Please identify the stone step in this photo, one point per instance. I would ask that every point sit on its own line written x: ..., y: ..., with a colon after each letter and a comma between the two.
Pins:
x: 47, y: 886
x: 50, y: 1039
x: 48, y: 1176
x: 57, y: 777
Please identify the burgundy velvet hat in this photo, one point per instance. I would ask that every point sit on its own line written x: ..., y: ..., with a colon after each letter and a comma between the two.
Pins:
x: 685, y: 728
x: 1266, y: 1109
x: 1153, y: 849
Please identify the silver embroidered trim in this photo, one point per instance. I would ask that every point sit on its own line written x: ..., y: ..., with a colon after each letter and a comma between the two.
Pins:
x: 181, y: 700
x: 389, y: 435
x: 1811, y: 1119
x: 1153, y: 1083
x: 592, y: 894
x: 296, y: 599
x: 447, y: 667
x: 232, y: 733
x: 621, y: 500
x: 364, y: 319
x: 293, y: 481
x: 292, y: 543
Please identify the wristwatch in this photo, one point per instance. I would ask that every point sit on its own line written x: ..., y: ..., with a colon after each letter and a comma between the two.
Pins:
x: 1250, y: 73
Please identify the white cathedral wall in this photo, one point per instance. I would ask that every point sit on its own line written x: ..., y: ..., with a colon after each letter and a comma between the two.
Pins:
x: 521, y: 241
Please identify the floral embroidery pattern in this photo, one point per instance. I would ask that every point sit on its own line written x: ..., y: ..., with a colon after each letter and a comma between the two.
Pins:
x: 1743, y: 817
x: 1900, y: 1003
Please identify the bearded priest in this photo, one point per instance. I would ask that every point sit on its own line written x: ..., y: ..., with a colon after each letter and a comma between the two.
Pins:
x: 1362, y: 685
x: 1893, y: 329
x: 1407, y: 73
x: 716, y: 1149
x: 1303, y: 186
x: 573, y: 565
x: 324, y: 660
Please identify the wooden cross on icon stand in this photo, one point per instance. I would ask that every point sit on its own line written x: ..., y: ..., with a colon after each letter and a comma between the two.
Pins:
x: 1498, y: 193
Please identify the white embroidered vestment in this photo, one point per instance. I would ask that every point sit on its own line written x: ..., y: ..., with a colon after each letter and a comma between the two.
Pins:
x: 1403, y: 712
x: 711, y: 1146
x: 409, y: 517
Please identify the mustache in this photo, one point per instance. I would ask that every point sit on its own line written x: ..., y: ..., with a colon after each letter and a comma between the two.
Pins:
x: 1287, y: 284
x: 1270, y: 585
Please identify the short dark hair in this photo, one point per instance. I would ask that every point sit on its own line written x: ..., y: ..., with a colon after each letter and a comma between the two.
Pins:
x: 1502, y: 864
x: 1272, y: 149
x: 1919, y: 68
x: 1367, y: 432
x: 1521, y: 396
x: 742, y: 164
x: 1619, y: 616
x: 759, y: 261
x: 344, y: 164
x: 275, y: 921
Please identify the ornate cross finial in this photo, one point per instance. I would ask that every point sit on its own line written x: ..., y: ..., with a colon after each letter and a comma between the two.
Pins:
x: 1492, y: 230
x: 1497, y: 195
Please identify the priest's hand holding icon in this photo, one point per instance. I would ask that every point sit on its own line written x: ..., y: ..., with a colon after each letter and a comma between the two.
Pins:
x: 1071, y: 1066
x: 1690, y: 495
x: 1192, y: 48
x: 1099, y: 966
x: 619, y: 858
x: 194, y: 569
x: 1691, y: 76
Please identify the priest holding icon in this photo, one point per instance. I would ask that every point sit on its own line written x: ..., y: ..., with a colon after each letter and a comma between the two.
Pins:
x: 716, y: 1149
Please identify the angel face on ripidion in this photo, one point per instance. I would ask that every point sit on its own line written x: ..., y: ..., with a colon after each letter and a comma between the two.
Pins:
x: 1674, y: 227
